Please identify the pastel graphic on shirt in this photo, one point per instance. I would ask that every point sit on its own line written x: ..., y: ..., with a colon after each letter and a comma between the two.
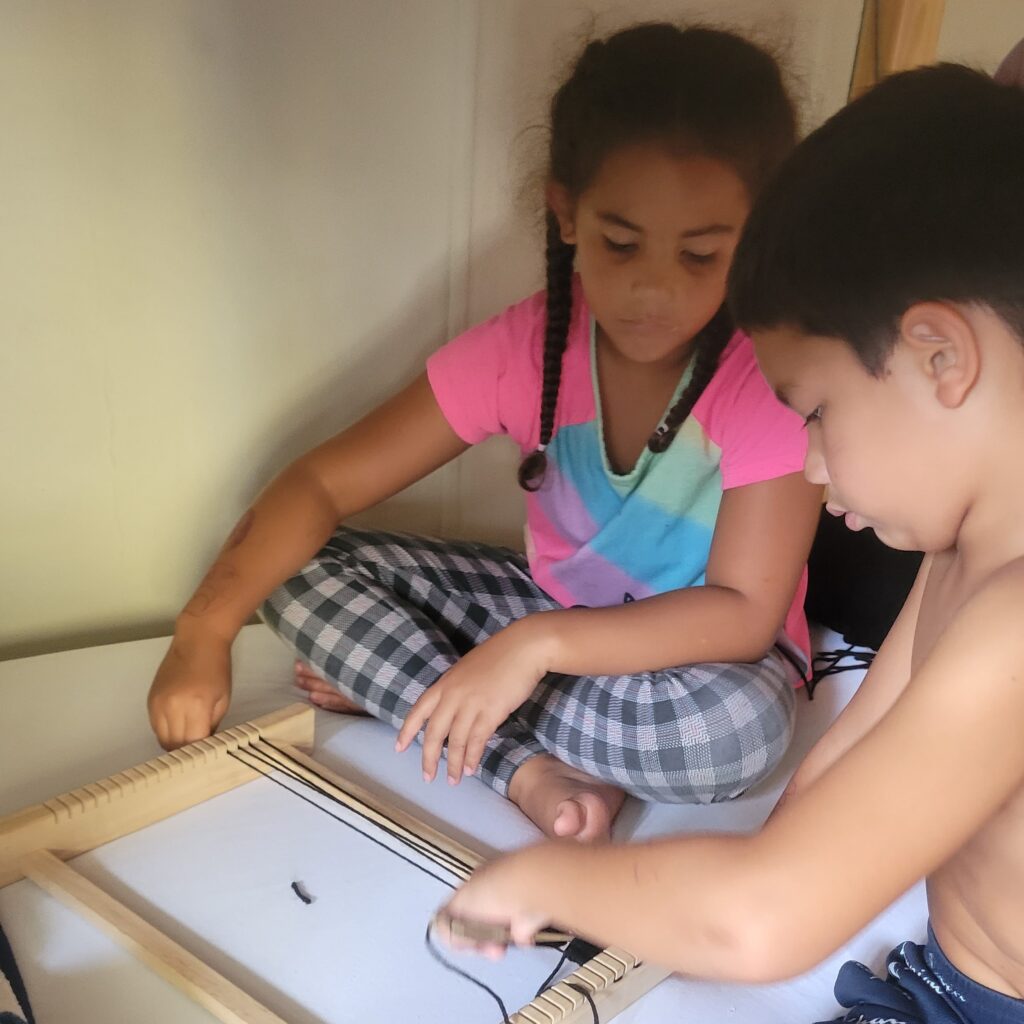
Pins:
x: 595, y: 537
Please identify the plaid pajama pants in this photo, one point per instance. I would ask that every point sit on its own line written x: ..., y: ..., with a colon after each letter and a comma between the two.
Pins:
x: 383, y: 615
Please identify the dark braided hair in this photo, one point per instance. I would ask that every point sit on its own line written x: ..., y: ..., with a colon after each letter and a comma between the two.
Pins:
x: 559, y: 259
x: 708, y: 347
x: 694, y: 90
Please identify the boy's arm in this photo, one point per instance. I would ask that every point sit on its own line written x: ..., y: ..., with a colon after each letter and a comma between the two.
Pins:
x: 400, y: 442
x: 891, y: 810
x: 882, y: 685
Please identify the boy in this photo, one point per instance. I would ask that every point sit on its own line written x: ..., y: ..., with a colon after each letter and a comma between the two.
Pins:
x: 882, y: 277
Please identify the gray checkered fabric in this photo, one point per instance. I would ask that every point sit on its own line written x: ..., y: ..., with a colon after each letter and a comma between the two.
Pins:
x: 383, y: 615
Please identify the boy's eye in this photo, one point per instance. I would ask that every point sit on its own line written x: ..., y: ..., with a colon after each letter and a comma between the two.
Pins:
x: 813, y: 416
x: 620, y: 247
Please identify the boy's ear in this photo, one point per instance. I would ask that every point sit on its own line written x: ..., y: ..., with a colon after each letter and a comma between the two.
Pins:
x: 943, y: 345
x: 561, y: 205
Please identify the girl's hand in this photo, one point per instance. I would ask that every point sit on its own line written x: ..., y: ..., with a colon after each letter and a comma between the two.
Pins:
x: 476, y: 695
x: 191, y: 691
x: 496, y: 894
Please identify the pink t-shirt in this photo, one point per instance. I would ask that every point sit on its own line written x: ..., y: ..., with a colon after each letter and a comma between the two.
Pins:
x: 595, y: 537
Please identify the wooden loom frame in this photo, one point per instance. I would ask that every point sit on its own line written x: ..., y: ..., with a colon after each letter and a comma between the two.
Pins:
x: 35, y: 842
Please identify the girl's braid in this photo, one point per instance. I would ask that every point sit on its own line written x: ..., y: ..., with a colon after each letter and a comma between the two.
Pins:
x: 709, y: 345
x: 559, y: 257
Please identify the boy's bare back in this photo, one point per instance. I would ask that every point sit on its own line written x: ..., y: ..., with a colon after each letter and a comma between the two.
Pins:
x: 976, y: 899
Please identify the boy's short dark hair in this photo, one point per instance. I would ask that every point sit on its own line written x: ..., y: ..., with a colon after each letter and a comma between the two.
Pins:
x: 914, y: 192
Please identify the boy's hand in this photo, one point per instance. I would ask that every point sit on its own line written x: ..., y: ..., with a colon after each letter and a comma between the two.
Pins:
x: 191, y: 691
x: 475, y: 696
x: 494, y: 895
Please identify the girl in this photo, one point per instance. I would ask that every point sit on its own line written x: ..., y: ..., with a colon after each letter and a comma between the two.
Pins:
x: 644, y: 644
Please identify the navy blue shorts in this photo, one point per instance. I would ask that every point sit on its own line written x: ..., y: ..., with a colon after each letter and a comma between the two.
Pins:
x: 14, y: 1008
x: 921, y: 987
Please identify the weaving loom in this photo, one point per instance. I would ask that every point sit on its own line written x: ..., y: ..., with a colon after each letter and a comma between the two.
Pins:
x: 79, y: 715
x: 36, y: 842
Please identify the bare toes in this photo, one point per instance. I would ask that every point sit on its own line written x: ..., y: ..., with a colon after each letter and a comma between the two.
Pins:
x: 331, y: 700
x: 570, y: 819
x: 303, y: 671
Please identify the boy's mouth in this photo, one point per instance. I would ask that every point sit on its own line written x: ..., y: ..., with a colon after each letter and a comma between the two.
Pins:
x: 853, y: 521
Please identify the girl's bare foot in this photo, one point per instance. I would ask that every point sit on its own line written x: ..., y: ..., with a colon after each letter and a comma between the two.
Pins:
x: 563, y: 801
x: 322, y: 694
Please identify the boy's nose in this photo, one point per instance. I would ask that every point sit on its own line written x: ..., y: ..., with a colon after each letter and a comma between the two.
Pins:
x: 814, y: 464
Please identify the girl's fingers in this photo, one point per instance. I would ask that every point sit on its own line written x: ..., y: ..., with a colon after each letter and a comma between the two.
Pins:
x: 433, y: 741
x: 196, y: 725
x: 475, y: 749
x: 457, y: 740
x: 418, y: 714
x: 163, y: 731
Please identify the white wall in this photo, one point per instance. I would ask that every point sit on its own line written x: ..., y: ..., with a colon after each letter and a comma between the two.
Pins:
x: 230, y: 227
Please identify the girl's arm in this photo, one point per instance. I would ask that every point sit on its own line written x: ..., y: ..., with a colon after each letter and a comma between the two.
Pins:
x: 759, y: 550
x: 762, y: 538
x: 397, y: 444
x: 895, y: 807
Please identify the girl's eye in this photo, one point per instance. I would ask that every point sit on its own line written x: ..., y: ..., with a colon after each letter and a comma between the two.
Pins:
x: 620, y: 247
x: 813, y: 416
x: 700, y: 259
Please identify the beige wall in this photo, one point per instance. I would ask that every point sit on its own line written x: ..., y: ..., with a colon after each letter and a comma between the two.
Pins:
x: 232, y: 226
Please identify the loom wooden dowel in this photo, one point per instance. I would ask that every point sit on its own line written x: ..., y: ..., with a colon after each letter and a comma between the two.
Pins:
x: 562, y: 992
x: 587, y: 974
x: 531, y: 1014
x: 606, y: 970
x: 627, y: 958
x: 617, y: 997
x: 558, y: 1006
x: 391, y: 817
x: 612, y: 956
x: 174, y: 963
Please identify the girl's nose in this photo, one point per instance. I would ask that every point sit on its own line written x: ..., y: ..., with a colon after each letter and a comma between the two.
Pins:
x: 653, y: 277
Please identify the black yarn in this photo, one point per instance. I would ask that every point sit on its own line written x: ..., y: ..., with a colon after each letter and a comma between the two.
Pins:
x: 545, y: 984
x: 299, y: 891
x: 281, y: 763
x: 589, y: 998
x: 830, y: 663
x: 445, y: 962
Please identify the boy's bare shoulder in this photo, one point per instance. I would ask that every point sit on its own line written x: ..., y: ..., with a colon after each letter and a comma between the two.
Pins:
x: 961, y: 617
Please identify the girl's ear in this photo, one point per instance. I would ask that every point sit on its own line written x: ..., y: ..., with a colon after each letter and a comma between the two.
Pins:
x: 942, y: 343
x: 562, y: 206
